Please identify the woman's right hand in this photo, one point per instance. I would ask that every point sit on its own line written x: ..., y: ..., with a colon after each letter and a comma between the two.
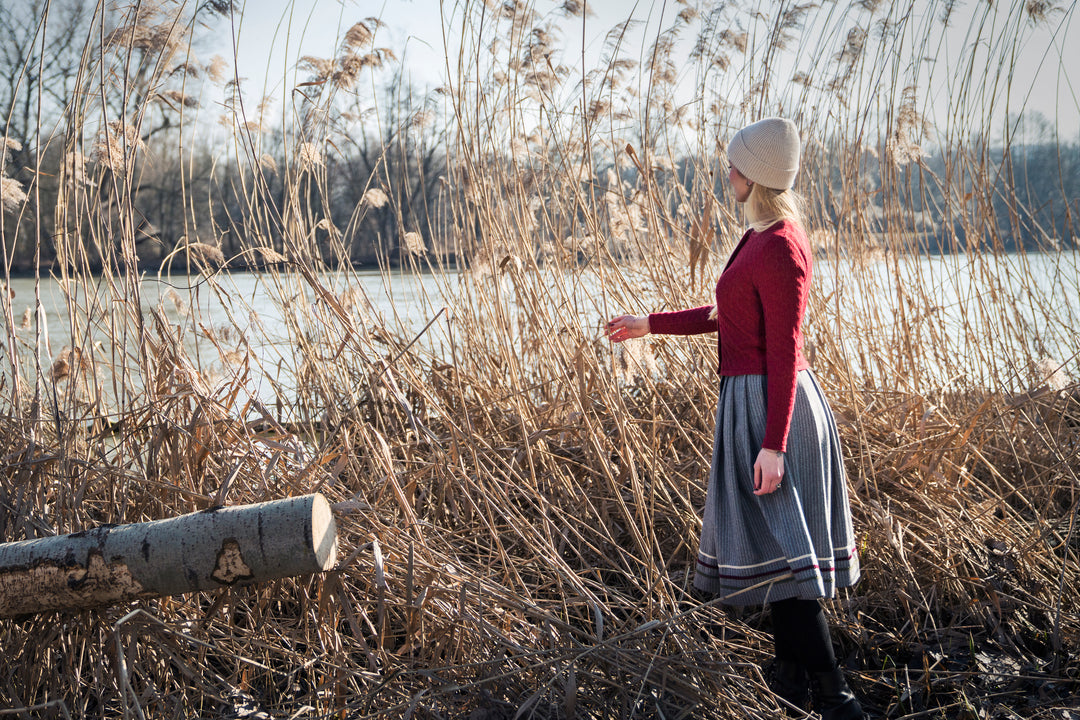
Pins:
x: 626, y: 327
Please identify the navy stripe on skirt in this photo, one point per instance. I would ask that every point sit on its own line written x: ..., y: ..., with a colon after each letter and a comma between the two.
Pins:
x: 795, y: 542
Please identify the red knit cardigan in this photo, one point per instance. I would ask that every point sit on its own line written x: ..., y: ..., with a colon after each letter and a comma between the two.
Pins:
x: 760, y: 302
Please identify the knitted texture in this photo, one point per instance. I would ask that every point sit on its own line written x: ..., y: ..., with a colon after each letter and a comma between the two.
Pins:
x: 767, y: 152
x: 760, y: 302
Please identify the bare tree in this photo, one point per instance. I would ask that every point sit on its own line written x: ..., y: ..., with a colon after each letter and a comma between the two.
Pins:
x: 402, y: 153
x: 40, y: 56
x: 41, y: 53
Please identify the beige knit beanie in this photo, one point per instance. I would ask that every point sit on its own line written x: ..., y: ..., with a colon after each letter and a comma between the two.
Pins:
x: 767, y: 152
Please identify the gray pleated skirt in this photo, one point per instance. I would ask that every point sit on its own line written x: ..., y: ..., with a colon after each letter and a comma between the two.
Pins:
x: 795, y: 542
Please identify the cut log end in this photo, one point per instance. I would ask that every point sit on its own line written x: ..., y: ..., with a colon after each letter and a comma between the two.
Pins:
x: 323, y: 533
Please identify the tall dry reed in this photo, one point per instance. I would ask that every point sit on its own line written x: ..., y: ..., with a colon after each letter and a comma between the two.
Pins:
x: 519, y: 502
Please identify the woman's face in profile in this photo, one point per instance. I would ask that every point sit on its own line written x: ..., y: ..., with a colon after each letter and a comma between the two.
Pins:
x: 739, y: 184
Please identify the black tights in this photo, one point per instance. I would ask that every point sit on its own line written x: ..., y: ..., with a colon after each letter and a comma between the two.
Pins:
x: 801, y: 634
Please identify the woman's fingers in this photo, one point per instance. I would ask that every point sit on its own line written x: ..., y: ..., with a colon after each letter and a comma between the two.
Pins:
x: 622, y: 328
x: 612, y: 329
x: 768, y: 472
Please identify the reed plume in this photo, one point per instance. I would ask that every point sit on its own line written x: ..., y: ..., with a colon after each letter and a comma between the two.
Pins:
x: 518, y: 501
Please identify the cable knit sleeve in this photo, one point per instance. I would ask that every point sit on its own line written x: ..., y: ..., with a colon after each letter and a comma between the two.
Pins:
x: 783, y: 285
x: 694, y: 321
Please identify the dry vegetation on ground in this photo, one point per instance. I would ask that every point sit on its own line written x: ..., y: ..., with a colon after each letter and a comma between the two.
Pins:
x: 518, y: 502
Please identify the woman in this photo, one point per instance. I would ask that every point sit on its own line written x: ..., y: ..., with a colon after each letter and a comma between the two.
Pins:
x: 777, y: 527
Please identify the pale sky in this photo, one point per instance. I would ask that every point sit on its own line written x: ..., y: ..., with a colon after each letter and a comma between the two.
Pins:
x: 413, y: 30
x: 274, y: 34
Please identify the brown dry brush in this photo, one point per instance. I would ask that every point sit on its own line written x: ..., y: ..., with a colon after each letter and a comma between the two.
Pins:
x: 518, y: 502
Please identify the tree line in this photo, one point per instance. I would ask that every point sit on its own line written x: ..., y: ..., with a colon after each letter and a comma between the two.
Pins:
x: 106, y: 140
x: 104, y: 132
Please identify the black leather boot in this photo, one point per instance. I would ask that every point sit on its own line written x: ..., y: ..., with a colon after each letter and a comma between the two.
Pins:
x: 833, y: 698
x: 790, y: 682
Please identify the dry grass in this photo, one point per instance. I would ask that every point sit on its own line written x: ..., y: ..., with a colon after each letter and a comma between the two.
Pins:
x: 518, y: 502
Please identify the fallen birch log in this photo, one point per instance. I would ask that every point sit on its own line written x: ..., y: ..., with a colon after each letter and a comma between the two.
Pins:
x: 201, y: 551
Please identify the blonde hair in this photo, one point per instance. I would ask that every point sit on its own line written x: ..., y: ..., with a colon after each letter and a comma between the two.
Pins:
x: 767, y: 206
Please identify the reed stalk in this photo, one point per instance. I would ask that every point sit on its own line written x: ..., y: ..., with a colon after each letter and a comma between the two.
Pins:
x: 518, y: 502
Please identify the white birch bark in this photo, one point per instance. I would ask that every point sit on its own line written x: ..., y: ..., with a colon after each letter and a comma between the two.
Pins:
x: 201, y: 551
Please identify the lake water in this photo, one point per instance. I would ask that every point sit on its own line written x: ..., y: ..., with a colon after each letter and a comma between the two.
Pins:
x: 1031, y: 302
x: 987, y: 319
x: 213, y: 317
